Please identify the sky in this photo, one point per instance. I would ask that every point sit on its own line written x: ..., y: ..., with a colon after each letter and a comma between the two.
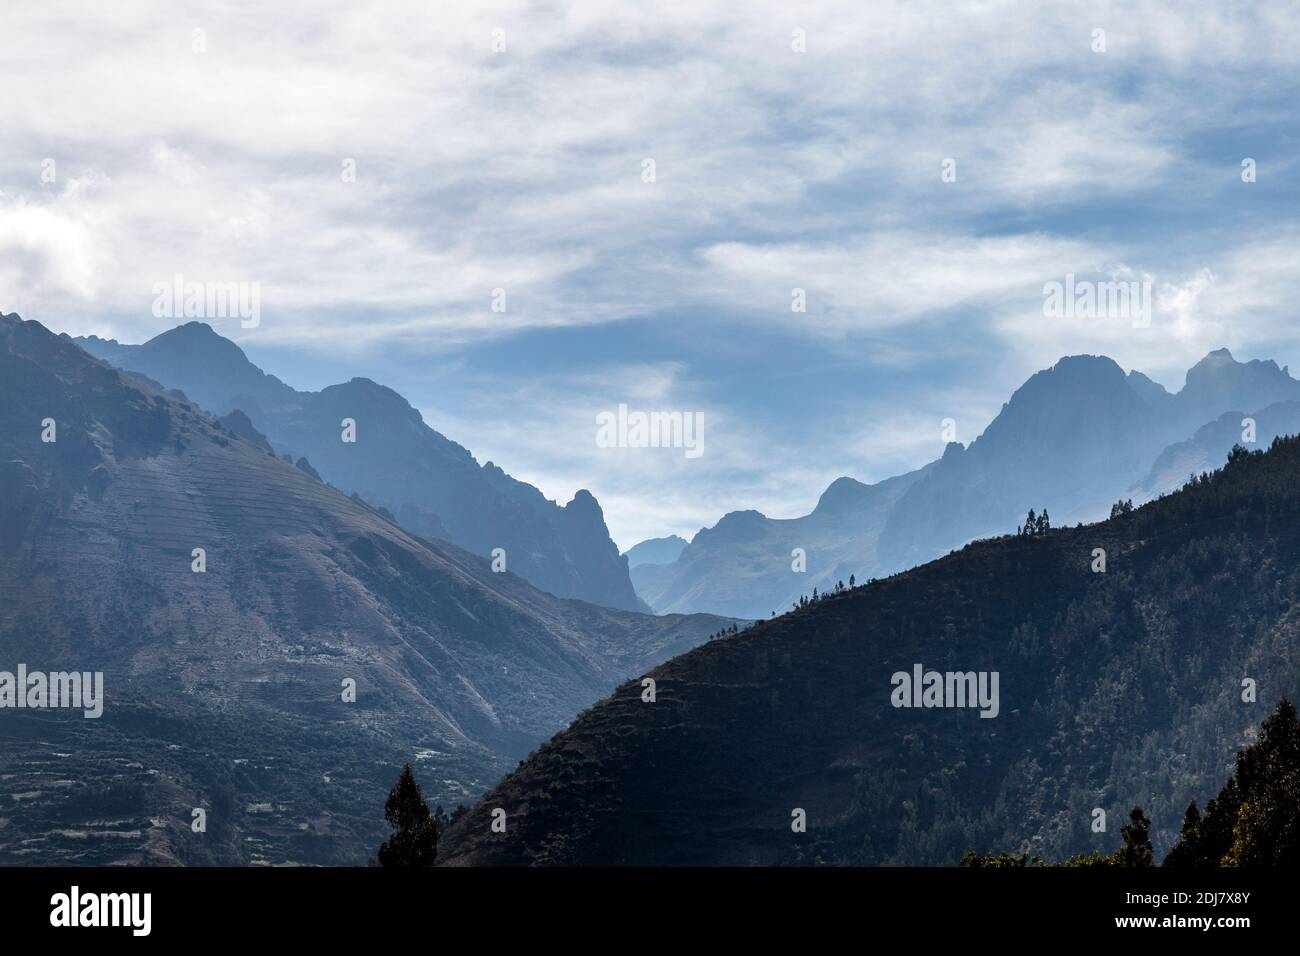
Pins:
x: 646, y: 185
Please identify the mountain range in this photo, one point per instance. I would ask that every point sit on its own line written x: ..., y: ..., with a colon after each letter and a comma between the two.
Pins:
x: 1128, y: 661
x: 271, y: 647
x: 430, y: 484
x: 1073, y: 439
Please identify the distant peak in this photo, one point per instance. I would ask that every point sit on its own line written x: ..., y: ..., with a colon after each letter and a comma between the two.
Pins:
x: 842, y: 485
x: 363, y: 384
x: 1220, y: 363
x: 195, y: 338
x: 196, y: 328
x: 1219, y: 358
x: 1103, y: 364
x: 584, y: 503
x: 664, y: 550
x: 190, y: 331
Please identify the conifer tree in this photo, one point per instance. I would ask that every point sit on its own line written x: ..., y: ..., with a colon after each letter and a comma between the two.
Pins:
x: 1255, y: 819
x: 1136, y: 849
x: 1189, y: 852
x: 414, y: 842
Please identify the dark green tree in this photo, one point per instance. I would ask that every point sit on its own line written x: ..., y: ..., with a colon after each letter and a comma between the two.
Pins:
x: 1255, y: 819
x: 414, y: 842
x: 1189, y: 852
x: 1136, y: 849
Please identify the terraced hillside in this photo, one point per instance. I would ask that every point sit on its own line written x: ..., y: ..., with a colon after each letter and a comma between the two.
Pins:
x: 224, y: 689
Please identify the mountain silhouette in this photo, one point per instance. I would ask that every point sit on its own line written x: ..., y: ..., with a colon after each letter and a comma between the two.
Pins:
x: 1132, y: 683
x: 432, y: 485
x: 746, y: 561
x: 1072, y: 439
x: 232, y: 600
x: 655, y: 551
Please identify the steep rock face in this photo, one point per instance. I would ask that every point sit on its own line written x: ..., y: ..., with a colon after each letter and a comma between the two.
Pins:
x: 1067, y: 437
x: 225, y: 687
x: 1114, y: 689
x: 431, y: 484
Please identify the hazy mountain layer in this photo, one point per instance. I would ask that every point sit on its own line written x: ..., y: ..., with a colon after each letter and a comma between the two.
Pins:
x: 655, y: 551
x: 430, y: 484
x: 746, y: 564
x: 1206, y: 449
x: 1072, y: 439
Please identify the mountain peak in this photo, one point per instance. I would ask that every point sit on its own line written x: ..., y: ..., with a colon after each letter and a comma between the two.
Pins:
x: 1088, y: 365
x: 840, y: 494
x: 195, y: 330
x: 1219, y: 381
x: 193, y: 335
x: 584, y: 502
x: 655, y: 551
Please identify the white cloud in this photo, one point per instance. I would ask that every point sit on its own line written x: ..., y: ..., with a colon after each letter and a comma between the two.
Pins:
x: 478, y: 170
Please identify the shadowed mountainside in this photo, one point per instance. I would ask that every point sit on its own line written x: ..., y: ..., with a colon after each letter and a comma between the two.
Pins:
x: 1117, y: 688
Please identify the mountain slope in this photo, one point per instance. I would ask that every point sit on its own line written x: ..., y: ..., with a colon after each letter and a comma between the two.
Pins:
x: 224, y: 689
x: 431, y: 484
x: 1116, y: 688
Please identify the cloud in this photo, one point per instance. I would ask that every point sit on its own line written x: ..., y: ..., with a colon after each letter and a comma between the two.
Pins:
x: 521, y: 169
x: 871, y: 282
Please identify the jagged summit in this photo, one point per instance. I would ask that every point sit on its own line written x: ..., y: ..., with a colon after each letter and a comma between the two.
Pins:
x: 1073, y: 438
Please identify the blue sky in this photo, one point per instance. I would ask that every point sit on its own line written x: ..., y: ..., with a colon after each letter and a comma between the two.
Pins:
x: 217, y: 155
